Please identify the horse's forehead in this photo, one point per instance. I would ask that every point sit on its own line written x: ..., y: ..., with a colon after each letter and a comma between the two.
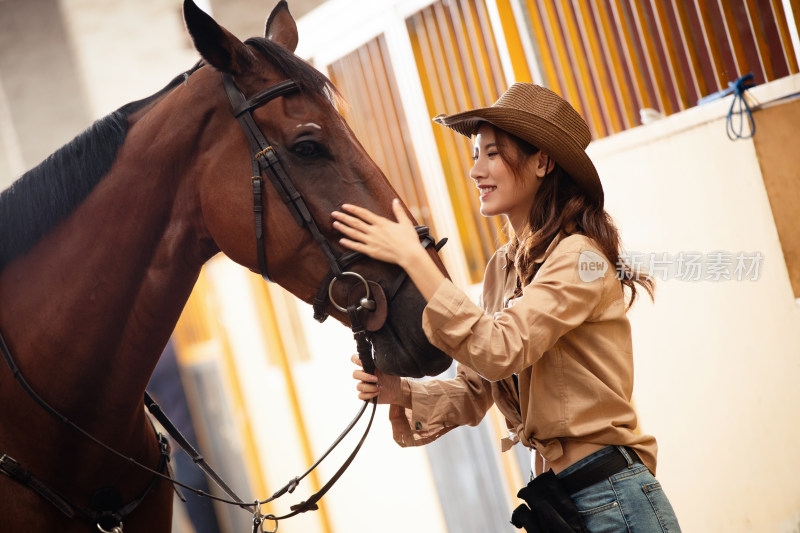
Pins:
x: 309, y: 108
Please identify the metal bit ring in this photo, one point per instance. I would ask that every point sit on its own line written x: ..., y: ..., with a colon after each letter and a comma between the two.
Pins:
x: 365, y: 302
x: 275, y: 519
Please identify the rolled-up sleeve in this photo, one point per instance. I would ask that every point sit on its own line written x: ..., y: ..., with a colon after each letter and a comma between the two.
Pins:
x: 438, y: 406
x: 499, y: 345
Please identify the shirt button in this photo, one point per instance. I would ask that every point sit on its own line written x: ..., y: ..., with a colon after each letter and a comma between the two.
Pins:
x: 418, y: 425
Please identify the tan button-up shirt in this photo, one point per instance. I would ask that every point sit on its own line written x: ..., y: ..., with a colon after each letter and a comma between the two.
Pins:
x: 568, y: 340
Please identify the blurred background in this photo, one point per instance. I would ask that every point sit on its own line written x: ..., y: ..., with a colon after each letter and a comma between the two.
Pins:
x: 263, y: 389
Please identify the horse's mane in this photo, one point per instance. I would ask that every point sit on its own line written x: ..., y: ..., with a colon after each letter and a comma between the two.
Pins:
x: 45, y: 195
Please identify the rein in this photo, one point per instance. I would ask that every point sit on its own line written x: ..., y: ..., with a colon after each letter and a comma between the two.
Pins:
x: 13, y: 469
x: 109, y: 513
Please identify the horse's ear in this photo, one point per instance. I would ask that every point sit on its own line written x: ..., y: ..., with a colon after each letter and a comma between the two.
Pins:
x: 218, y: 46
x: 281, y: 28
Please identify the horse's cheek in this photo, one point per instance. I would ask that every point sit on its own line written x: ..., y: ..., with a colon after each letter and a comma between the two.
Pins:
x: 225, y: 220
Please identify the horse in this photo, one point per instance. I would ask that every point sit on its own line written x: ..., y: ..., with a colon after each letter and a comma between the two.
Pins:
x: 101, y: 244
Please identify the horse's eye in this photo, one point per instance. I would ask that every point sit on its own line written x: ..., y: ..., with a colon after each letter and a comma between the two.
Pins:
x: 307, y: 149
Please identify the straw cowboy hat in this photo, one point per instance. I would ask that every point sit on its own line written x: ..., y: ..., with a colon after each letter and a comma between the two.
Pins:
x: 542, y: 118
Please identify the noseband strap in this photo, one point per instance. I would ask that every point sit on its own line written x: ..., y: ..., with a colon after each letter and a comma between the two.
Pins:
x: 322, y: 297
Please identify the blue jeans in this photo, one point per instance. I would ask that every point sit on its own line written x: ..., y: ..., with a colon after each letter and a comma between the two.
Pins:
x: 630, y: 501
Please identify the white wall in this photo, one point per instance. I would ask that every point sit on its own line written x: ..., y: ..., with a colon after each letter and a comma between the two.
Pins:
x: 717, y: 363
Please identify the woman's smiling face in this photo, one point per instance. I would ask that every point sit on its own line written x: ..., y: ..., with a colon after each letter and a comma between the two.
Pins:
x: 501, y: 192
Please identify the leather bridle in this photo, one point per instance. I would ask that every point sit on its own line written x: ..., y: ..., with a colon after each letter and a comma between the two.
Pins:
x: 374, y: 300
x: 264, y: 160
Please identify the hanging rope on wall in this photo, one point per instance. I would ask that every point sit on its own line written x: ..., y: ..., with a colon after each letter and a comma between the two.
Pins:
x: 740, y: 111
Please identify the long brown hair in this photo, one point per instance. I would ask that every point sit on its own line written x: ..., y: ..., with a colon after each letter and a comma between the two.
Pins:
x: 560, y: 205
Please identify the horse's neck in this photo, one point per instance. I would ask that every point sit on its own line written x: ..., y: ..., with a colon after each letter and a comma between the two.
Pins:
x: 89, y: 309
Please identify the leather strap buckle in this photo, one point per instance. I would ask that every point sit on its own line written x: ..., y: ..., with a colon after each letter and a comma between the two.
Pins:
x: 264, y: 151
x: 13, y: 464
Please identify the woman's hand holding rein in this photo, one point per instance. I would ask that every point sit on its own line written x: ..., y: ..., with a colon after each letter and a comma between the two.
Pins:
x: 388, y: 389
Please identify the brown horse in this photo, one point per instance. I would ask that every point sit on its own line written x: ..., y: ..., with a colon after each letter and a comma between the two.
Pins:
x: 101, y: 244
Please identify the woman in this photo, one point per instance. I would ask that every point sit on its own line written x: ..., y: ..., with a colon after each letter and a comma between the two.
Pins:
x: 551, y: 345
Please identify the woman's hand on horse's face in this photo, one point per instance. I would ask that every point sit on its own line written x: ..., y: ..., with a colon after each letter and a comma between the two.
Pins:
x: 385, y: 387
x: 376, y: 236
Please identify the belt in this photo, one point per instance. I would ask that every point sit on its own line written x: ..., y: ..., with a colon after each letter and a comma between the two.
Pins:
x: 597, y: 471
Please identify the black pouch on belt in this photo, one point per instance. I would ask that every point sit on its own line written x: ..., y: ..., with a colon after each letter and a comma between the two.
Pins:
x: 549, y: 508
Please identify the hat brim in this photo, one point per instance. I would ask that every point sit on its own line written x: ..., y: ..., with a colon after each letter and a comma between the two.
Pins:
x: 542, y: 134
